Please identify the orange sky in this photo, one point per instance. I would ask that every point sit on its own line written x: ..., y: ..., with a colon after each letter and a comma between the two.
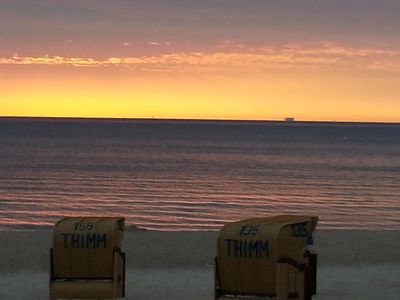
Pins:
x: 173, y: 75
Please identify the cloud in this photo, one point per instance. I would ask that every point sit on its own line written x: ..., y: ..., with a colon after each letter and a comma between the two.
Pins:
x: 50, y: 60
x: 158, y: 44
x: 261, y: 58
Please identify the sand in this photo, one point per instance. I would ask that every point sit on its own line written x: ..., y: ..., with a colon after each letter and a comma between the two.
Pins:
x: 179, y: 265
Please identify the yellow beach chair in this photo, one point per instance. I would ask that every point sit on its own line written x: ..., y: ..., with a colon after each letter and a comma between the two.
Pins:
x: 266, y: 258
x: 86, y: 259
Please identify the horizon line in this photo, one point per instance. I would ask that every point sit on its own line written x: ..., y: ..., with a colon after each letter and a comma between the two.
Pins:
x: 191, y: 120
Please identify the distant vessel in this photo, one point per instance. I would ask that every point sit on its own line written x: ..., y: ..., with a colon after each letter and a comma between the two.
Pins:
x: 289, y: 119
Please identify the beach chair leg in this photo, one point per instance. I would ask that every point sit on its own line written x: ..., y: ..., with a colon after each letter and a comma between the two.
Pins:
x: 217, y: 284
x: 310, y: 282
x: 282, y: 281
x: 119, y: 274
x: 313, y: 260
x: 300, y: 285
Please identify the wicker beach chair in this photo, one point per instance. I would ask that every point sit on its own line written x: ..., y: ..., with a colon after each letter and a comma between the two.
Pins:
x: 86, y: 259
x: 266, y: 258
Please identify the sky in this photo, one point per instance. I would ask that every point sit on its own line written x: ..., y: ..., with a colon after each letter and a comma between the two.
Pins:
x: 313, y: 60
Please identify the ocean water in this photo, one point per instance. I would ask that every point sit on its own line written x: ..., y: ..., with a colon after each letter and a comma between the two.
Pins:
x: 174, y: 175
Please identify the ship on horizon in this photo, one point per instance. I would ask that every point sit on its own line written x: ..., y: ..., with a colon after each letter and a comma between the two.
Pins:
x: 289, y: 119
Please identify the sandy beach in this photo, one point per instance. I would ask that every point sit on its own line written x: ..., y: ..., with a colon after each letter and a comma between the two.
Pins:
x: 179, y: 265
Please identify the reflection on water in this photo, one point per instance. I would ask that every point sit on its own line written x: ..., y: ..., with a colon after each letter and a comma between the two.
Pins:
x: 198, y: 176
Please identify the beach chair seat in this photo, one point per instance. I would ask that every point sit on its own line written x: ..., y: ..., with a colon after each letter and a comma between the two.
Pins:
x: 86, y: 261
x: 266, y: 258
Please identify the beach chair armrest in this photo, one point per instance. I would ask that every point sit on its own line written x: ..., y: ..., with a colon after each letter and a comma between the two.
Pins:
x: 293, y: 263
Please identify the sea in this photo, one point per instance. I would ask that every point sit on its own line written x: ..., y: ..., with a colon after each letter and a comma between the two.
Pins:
x: 175, y: 175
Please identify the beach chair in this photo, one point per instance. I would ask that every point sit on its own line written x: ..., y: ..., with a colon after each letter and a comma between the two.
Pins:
x: 86, y: 261
x: 266, y: 258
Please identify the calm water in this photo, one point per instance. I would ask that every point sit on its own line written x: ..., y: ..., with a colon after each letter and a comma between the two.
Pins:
x: 198, y: 176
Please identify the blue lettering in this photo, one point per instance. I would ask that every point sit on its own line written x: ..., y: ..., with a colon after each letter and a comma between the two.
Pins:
x: 74, y: 241
x: 247, y: 248
x: 253, y: 247
x: 238, y: 248
x: 90, y: 240
x: 102, y: 239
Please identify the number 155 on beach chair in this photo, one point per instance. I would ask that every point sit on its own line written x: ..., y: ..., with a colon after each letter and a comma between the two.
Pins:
x: 266, y: 258
x: 86, y: 261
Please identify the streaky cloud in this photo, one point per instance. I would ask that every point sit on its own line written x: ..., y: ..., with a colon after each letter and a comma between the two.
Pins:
x: 287, y: 56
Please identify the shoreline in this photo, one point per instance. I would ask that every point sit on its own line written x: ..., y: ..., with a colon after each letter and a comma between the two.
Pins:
x: 187, y: 249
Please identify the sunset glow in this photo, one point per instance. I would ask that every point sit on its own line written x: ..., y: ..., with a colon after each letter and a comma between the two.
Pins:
x: 193, y: 71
